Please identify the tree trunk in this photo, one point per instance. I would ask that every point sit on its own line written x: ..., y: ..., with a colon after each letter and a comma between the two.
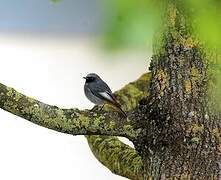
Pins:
x: 182, y: 128
x: 173, y: 117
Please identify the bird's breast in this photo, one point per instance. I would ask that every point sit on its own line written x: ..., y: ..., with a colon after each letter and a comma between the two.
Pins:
x: 91, y: 96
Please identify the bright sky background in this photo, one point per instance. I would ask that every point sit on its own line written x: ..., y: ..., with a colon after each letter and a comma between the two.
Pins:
x: 45, y: 50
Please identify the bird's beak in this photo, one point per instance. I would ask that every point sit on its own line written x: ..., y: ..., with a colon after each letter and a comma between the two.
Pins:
x: 84, y: 77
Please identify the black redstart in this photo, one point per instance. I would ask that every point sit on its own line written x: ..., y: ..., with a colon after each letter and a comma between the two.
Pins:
x: 98, y: 92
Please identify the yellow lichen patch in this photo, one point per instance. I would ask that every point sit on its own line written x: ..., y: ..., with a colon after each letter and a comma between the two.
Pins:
x: 194, y: 73
x: 185, y: 176
x: 196, y: 140
x: 31, y: 99
x: 162, y: 79
x: 217, y: 134
x: 197, y: 128
x: 179, y: 76
x: 187, y: 86
x: 17, y: 96
x: 10, y: 92
x: 172, y: 16
x: 176, y: 37
x: 188, y: 43
x: 219, y: 147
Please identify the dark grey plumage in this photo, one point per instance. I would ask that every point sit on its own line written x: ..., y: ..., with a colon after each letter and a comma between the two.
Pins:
x: 98, y: 92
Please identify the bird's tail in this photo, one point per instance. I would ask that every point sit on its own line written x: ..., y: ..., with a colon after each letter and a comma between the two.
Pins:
x: 118, y: 106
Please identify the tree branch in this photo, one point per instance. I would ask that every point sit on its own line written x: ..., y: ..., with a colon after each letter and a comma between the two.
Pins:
x: 73, y: 121
x: 120, y: 158
x: 110, y: 151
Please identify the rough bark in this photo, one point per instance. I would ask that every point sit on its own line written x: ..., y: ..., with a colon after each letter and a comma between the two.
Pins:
x: 173, y: 118
x: 182, y: 138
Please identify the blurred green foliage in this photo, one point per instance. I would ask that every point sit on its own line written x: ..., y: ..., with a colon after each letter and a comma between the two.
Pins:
x: 206, y: 16
x: 129, y: 22
x: 133, y: 22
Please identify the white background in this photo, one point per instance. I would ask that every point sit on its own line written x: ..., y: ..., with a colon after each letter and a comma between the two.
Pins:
x: 51, y: 70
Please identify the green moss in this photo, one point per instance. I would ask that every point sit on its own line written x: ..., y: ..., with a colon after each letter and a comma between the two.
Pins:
x: 84, y: 121
x: 106, y: 107
x: 17, y: 96
x: 31, y: 100
x: 109, y: 126
x: 10, y: 92
x: 118, y: 157
x: 74, y: 121
x: 130, y: 131
x: 133, y: 91
x: 196, y: 140
x: 97, y: 121
x: 145, y: 77
x: 130, y: 94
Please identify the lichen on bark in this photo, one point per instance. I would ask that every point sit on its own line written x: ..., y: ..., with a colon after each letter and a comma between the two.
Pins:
x: 178, y: 141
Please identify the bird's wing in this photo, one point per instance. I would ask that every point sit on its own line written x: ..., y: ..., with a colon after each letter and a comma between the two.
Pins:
x: 102, y: 91
x: 107, y: 96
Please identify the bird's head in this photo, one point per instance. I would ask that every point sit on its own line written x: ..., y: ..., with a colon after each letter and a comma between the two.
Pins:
x: 92, y: 77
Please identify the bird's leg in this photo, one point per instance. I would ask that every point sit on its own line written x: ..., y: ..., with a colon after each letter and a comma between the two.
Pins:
x: 97, y: 108
x: 94, y: 108
x: 101, y: 107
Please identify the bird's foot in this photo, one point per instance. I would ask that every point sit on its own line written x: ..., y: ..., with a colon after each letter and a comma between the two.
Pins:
x: 96, y: 108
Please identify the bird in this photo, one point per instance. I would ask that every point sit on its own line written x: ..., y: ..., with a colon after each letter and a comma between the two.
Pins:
x: 98, y: 92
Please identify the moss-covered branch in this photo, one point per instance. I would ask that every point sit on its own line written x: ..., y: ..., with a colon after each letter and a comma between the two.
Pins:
x: 74, y: 121
x: 110, y: 151
x: 120, y: 158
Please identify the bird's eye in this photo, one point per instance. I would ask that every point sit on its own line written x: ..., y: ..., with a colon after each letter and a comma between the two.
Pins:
x: 90, y: 79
